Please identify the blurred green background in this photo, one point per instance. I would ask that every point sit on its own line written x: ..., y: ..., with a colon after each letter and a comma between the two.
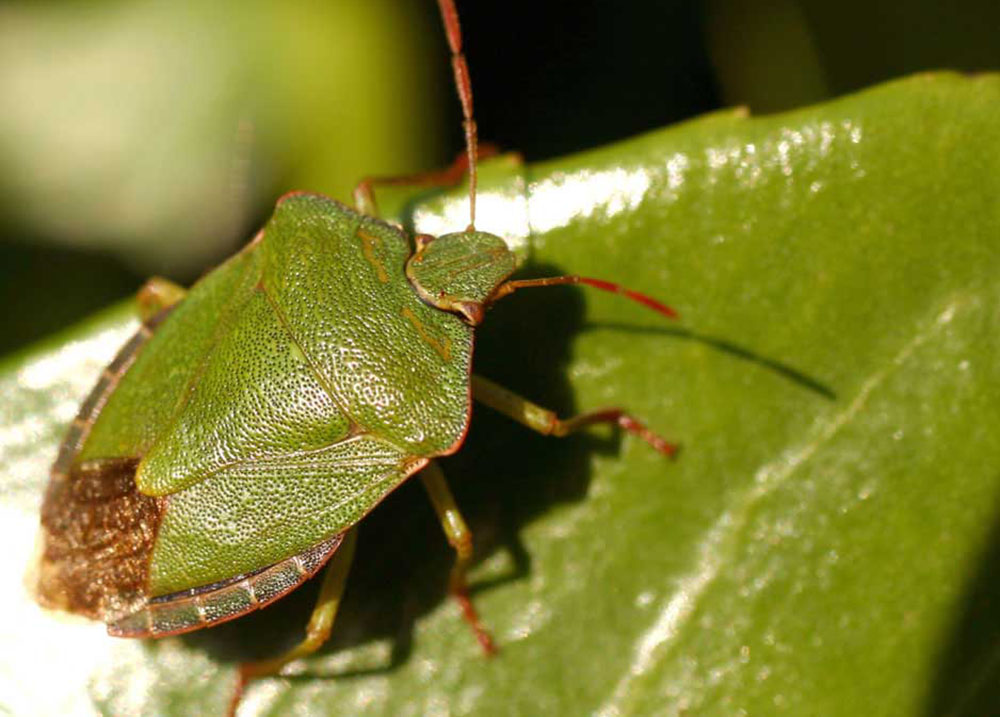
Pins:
x: 152, y: 137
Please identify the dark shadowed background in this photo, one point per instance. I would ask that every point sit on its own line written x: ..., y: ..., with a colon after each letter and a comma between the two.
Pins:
x: 152, y: 137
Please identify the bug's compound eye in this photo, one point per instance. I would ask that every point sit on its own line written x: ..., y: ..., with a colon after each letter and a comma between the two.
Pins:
x: 460, y: 272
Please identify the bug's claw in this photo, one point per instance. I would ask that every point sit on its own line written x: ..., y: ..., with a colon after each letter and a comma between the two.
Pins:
x: 241, y: 684
x: 636, y: 428
x: 470, y: 615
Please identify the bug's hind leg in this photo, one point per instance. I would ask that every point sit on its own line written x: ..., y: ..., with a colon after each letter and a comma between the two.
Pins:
x: 156, y: 295
x: 460, y: 538
x: 320, y: 623
x: 547, y: 422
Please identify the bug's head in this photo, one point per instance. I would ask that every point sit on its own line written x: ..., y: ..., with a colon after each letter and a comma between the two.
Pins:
x: 460, y: 272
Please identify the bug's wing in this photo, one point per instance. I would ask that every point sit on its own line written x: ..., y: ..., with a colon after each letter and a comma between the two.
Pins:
x: 98, y: 528
x: 324, y: 338
x: 256, y: 398
x: 399, y: 367
x: 109, y: 549
x: 145, y: 399
x: 258, y: 513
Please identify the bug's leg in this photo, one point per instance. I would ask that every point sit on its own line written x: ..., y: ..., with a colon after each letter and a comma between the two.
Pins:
x: 547, y: 422
x: 364, y: 193
x: 156, y: 295
x: 320, y: 623
x: 460, y: 538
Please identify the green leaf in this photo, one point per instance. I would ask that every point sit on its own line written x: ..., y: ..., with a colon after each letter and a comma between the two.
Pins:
x: 825, y: 544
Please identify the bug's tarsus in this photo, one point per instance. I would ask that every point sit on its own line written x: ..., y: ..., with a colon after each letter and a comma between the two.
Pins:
x: 649, y: 302
x: 623, y: 420
x: 449, y: 14
x: 460, y: 538
x: 241, y: 686
x: 470, y: 615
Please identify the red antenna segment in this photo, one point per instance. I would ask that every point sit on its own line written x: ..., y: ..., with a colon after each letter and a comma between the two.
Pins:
x: 464, y: 86
x: 509, y: 287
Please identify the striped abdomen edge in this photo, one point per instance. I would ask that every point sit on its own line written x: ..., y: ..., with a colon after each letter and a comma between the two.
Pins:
x: 216, y: 603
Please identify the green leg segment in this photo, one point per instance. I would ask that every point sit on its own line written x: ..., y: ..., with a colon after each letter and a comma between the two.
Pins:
x: 548, y: 423
x: 320, y: 624
x: 156, y: 295
x: 460, y: 538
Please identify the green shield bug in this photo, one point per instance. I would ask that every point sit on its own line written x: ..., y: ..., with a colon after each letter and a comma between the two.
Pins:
x: 229, y: 450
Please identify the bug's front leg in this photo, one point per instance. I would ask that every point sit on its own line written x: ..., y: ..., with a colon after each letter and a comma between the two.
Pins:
x: 460, y: 538
x: 320, y: 623
x: 364, y: 192
x: 548, y: 423
x: 156, y: 295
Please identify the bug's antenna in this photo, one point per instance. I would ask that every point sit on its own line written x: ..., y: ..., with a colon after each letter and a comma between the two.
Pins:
x: 509, y: 287
x: 464, y: 86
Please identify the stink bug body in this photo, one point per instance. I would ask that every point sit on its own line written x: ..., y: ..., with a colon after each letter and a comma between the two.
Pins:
x: 231, y: 447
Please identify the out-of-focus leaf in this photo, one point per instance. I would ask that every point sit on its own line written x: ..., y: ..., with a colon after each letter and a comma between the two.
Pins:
x: 159, y: 128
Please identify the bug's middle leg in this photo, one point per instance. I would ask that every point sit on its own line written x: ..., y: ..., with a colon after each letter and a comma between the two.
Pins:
x: 320, y: 623
x: 548, y: 423
x: 460, y: 538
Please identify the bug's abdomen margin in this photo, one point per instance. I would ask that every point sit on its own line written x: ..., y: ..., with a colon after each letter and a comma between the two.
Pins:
x: 210, y: 605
